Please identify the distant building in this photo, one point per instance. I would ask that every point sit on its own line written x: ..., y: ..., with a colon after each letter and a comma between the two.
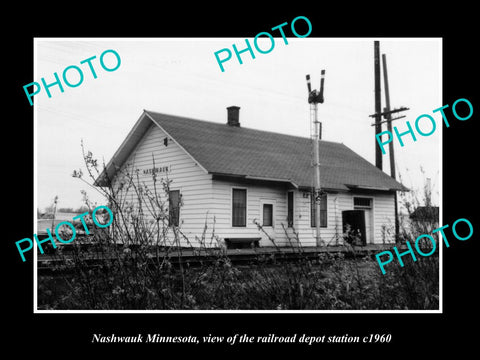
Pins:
x: 46, y: 223
x: 239, y: 175
x: 425, y: 213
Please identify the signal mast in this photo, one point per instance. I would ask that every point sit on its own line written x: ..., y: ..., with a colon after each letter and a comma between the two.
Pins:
x: 314, y: 98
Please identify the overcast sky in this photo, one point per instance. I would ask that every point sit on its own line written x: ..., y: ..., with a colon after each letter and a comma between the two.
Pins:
x: 181, y: 77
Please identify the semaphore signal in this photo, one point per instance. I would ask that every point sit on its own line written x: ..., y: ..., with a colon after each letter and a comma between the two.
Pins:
x: 314, y: 98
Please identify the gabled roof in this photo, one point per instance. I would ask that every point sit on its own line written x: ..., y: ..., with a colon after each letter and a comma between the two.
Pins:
x: 221, y: 149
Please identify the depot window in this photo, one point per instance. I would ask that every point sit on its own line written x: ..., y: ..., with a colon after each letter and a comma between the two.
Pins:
x: 323, y: 210
x: 174, y: 208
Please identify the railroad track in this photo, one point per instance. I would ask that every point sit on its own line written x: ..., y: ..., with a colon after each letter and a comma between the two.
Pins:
x: 49, y: 263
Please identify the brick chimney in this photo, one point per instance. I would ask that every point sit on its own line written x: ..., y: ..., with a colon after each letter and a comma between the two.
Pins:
x: 233, y: 116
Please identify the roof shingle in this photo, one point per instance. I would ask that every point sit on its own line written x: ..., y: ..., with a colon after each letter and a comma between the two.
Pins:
x: 239, y: 151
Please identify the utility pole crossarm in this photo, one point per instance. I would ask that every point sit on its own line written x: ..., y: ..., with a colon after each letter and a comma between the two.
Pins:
x: 388, y: 112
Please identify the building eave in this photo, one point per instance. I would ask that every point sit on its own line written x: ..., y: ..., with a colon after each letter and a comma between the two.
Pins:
x: 123, y: 151
x: 376, y: 188
x: 220, y: 176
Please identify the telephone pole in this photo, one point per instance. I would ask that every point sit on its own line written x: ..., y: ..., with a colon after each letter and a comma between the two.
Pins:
x: 391, y: 154
x: 387, y: 114
x: 378, y: 103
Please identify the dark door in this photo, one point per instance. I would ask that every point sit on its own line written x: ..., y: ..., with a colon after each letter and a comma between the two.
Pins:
x: 354, y: 227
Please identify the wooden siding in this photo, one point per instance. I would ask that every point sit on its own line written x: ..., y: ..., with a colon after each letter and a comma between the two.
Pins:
x: 331, y: 234
x: 383, y: 217
x: 194, y: 183
x: 221, y: 207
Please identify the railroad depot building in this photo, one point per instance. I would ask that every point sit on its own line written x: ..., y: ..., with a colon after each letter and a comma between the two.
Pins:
x: 235, y: 176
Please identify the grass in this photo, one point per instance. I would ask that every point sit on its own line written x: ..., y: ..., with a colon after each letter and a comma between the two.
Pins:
x: 331, y: 282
